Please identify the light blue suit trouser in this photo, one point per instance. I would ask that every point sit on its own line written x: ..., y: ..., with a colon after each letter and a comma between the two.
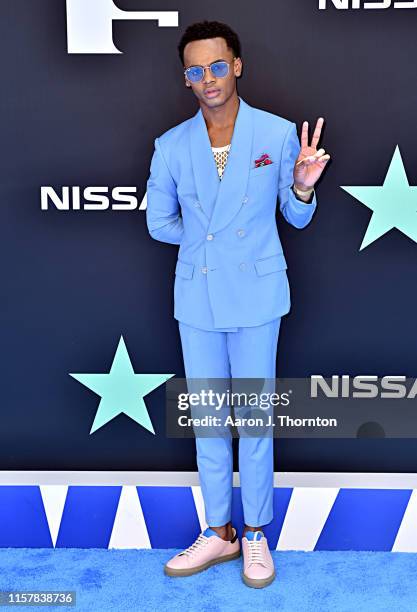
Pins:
x: 249, y: 352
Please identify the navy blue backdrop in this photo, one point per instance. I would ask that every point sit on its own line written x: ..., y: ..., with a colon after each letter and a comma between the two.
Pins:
x: 74, y: 281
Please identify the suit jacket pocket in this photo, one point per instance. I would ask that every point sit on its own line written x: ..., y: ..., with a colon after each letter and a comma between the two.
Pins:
x: 274, y: 263
x: 262, y: 170
x: 184, y: 269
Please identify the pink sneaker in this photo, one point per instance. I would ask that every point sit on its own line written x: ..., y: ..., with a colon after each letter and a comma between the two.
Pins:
x: 208, y: 549
x: 258, y: 565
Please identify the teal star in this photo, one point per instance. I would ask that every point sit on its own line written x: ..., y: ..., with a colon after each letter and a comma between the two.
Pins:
x: 394, y: 204
x: 122, y: 390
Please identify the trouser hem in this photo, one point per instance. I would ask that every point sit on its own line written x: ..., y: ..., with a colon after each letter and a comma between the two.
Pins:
x: 258, y: 521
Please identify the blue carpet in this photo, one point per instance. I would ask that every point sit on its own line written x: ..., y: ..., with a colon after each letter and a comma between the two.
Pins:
x: 107, y: 580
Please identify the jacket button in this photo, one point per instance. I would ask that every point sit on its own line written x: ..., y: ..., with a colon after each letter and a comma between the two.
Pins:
x: 197, y: 204
x: 204, y: 270
x: 210, y: 236
x: 245, y: 199
x: 242, y: 266
x: 240, y: 233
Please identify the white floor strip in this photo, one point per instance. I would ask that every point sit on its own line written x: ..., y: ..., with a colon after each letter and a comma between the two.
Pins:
x: 406, y: 540
x: 129, y: 528
x: 199, y: 506
x: 366, y: 480
x: 306, y: 515
x: 54, y: 497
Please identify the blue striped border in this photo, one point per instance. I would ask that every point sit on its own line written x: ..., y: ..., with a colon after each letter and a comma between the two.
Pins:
x: 360, y: 519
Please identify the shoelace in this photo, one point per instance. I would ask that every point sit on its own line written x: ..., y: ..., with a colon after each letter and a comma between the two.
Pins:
x: 255, y: 552
x: 196, y: 546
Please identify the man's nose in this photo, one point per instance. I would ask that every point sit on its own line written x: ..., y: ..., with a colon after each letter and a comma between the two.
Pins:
x: 208, y: 77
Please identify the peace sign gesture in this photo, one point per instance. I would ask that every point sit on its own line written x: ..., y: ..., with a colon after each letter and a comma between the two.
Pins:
x: 310, y: 162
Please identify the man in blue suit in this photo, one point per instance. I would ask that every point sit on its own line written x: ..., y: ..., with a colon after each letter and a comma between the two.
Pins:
x: 213, y: 188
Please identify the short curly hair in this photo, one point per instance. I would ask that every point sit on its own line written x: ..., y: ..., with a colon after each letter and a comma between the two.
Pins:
x: 210, y: 29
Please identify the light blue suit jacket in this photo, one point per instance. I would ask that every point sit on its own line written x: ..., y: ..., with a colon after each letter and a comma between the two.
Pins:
x: 231, y: 269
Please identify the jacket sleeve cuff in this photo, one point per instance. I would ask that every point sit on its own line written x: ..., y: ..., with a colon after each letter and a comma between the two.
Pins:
x: 300, y: 205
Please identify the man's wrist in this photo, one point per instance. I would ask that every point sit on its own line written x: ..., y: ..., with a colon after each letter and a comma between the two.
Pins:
x: 303, y: 194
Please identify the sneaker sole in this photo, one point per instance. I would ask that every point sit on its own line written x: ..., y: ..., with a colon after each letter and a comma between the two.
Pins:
x: 259, y: 583
x: 169, y: 571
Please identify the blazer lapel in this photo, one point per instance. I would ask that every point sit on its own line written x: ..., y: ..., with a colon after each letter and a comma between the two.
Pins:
x: 235, y: 177
x: 203, y: 163
x: 221, y: 200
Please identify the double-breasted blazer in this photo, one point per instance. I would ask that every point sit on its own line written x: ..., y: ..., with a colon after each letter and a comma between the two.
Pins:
x: 231, y: 268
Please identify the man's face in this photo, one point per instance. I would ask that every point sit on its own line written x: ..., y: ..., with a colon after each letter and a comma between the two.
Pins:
x: 212, y: 91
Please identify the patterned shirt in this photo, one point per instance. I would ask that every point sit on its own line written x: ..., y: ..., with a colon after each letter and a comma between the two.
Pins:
x: 220, y: 156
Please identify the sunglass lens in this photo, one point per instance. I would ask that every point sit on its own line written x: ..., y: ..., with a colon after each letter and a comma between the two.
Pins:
x: 219, y: 69
x: 195, y: 73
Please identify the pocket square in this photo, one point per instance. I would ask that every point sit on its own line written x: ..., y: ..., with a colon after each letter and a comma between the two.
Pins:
x: 264, y: 160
